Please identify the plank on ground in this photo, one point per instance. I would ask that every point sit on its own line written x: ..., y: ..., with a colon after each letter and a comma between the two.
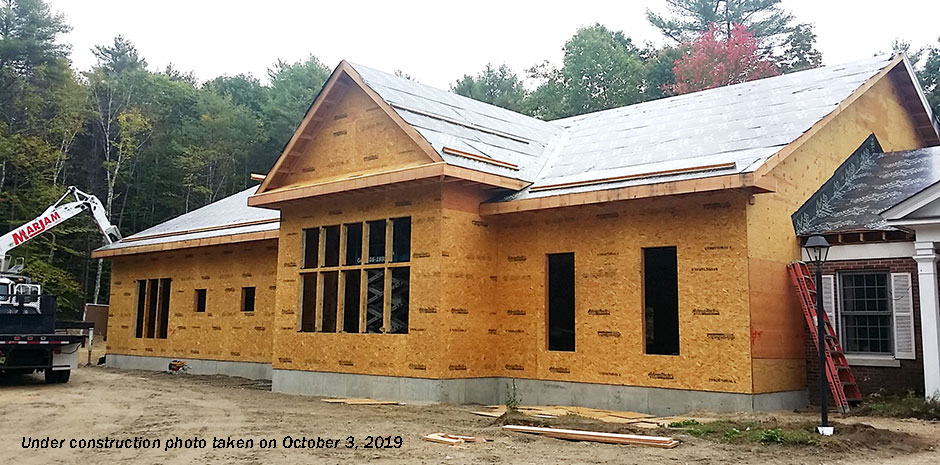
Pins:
x: 611, y: 438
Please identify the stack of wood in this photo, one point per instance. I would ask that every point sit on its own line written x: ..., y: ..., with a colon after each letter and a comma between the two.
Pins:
x: 596, y: 436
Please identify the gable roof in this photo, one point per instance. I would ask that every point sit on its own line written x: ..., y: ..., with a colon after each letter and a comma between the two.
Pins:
x: 230, y: 216
x: 732, y: 131
x: 867, y: 184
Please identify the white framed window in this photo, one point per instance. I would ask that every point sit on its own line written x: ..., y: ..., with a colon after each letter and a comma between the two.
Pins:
x: 872, y: 312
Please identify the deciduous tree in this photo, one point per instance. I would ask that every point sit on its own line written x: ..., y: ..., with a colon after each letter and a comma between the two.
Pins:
x: 714, y: 61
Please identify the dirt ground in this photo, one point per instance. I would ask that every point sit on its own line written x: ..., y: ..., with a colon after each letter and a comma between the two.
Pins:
x: 105, y: 403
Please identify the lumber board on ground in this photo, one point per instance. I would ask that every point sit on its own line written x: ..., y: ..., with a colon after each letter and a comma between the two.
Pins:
x: 359, y: 401
x: 442, y: 439
x: 597, y: 436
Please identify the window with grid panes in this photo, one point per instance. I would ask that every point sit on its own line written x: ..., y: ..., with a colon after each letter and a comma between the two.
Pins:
x: 866, y: 313
x: 356, y: 277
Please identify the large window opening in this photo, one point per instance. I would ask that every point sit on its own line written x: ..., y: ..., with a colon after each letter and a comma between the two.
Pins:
x: 362, y: 278
x: 331, y: 248
x: 561, y: 302
x: 375, y: 304
x: 377, y: 241
x: 141, y: 307
x: 399, y: 300
x: 661, y: 300
x: 152, y: 297
x: 401, y: 239
x: 354, y: 244
x: 308, y: 302
x: 153, y: 308
x: 311, y: 248
x: 353, y: 285
x: 328, y: 313
x: 164, y: 313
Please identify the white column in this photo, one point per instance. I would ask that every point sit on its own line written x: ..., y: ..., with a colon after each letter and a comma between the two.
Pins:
x: 926, y: 259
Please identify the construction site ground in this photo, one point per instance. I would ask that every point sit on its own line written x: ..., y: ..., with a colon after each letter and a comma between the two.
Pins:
x: 100, y: 403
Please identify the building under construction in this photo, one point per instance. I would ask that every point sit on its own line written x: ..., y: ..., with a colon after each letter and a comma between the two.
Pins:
x: 412, y: 244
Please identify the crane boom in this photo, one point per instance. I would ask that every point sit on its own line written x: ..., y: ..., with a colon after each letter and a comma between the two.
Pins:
x: 56, y: 214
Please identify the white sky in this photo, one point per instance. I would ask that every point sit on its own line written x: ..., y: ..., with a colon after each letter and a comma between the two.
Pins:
x: 435, y: 41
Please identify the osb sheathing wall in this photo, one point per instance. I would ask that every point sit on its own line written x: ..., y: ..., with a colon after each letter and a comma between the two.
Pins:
x: 223, y: 331
x: 477, y: 303
x: 353, y: 137
x: 776, y: 318
x: 708, y: 231
x: 418, y: 353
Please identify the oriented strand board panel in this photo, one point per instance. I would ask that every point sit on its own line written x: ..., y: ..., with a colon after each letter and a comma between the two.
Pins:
x: 709, y: 233
x: 775, y: 375
x: 351, y: 138
x: 416, y: 354
x: 777, y: 321
x: 223, y: 332
x: 470, y: 313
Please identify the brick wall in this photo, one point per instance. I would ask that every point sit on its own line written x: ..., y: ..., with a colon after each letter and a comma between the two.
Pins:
x: 895, y: 380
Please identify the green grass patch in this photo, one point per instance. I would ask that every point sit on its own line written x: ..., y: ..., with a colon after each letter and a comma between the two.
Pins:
x: 743, y: 432
x: 909, y: 406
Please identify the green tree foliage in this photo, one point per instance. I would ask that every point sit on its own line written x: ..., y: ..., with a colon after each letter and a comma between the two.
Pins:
x: 690, y: 18
x: 41, y: 113
x: 930, y: 77
x: 153, y: 144
x: 293, y: 88
x: 926, y: 63
x: 498, y: 86
x: 791, y: 44
x: 601, y: 69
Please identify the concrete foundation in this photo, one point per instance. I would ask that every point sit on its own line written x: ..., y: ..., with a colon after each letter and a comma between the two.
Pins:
x: 250, y: 370
x: 487, y: 391
x: 656, y: 401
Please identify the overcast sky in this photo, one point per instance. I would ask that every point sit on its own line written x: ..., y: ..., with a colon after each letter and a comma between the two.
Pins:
x: 434, y: 41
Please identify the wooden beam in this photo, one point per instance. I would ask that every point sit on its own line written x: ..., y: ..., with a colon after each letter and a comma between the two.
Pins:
x: 384, y: 180
x: 688, y: 186
x: 596, y: 436
x: 627, y: 177
x: 473, y: 156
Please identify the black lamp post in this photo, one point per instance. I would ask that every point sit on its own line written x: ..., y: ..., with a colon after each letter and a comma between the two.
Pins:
x: 817, y: 248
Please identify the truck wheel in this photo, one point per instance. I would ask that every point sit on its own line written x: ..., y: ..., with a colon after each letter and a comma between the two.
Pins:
x: 57, y: 376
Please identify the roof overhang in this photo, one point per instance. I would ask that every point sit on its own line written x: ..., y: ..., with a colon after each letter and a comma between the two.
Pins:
x: 186, y: 243
x: 439, y: 170
x: 740, y: 181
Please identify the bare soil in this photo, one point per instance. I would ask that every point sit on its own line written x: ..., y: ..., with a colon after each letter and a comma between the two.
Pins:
x: 105, y: 403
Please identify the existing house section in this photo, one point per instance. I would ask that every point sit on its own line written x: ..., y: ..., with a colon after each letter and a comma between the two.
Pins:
x: 431, y: 247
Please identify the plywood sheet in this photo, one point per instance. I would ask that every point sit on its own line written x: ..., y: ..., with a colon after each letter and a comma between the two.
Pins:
x: 223, y: 332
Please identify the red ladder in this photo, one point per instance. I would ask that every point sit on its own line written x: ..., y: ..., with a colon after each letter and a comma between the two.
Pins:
x: 841, y: 380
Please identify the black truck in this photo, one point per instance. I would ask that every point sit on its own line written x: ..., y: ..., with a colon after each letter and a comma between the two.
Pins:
x: 29, y: 340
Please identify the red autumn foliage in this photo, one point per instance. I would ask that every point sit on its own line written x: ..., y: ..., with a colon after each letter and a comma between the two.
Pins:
x: 715, y: 61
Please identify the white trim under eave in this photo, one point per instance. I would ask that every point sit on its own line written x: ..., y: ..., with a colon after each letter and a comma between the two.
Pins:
x: 869, y: 251
x: 896, y: 214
